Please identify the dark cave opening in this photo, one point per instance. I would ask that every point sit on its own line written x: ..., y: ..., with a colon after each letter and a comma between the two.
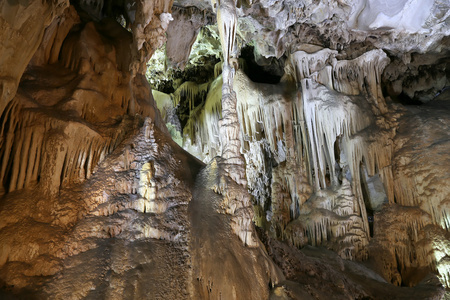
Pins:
x: 267, y: 71
x: 406, y: 100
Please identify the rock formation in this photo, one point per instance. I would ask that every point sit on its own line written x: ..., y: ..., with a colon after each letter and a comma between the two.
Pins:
x: 309, y: 156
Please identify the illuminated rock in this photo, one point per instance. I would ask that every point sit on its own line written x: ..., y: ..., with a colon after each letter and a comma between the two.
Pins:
x: 310, y: 135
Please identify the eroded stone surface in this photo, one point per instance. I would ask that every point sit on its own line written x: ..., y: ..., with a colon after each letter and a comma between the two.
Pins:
x: 97, y: 201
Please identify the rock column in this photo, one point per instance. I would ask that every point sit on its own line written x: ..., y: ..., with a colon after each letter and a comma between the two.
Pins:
x: 229, y: 125
x: 232, y: 182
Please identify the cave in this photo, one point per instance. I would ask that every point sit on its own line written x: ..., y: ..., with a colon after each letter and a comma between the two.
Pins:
x: 224, y: 150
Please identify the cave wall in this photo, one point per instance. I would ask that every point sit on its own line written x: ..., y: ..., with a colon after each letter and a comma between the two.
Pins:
x: 22, y: 30
x: 79, y: 95
x: 101, y: 83
x: 95, y: 198
x: 36, y: 121
x: 328, y: 161
x: 92, y: 184
x: 331, y: 163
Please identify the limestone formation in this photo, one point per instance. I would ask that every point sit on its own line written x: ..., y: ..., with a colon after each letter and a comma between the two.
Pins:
x: 182, y: 33
x: 288, y: 149
x: 332, y: 137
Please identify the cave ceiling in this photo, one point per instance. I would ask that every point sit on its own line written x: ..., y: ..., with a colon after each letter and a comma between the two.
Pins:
x: 416, y: 42
x: 414, y: 34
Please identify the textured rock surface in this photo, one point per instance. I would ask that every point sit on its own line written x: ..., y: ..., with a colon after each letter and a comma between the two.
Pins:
x: 22, y: 28
x: 325, y: 151
x: 182, y: 33
x: 339, y: 142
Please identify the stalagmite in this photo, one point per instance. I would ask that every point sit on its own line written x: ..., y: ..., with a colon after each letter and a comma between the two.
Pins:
x: 229, y: 127
x: 323, y: 119
x: 334, y: 118
x: 233, y: 183
x: 329, y: 133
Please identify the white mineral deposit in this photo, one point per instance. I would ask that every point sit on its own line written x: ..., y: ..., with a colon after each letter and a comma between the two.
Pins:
x: 225, y: 149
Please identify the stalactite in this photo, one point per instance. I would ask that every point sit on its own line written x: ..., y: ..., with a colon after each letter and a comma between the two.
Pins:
x: 202, y: 127
x: 362, y: 75
x: 191, y: 93
x: 259, y: 107
x: 334, y: 126
x: 233, y: 181
x: 271, y: 119
x: 28, y: 131
x: 328, y: 219
x: 266, y: 114
x: 417, y: 243
x: 341, y: 103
